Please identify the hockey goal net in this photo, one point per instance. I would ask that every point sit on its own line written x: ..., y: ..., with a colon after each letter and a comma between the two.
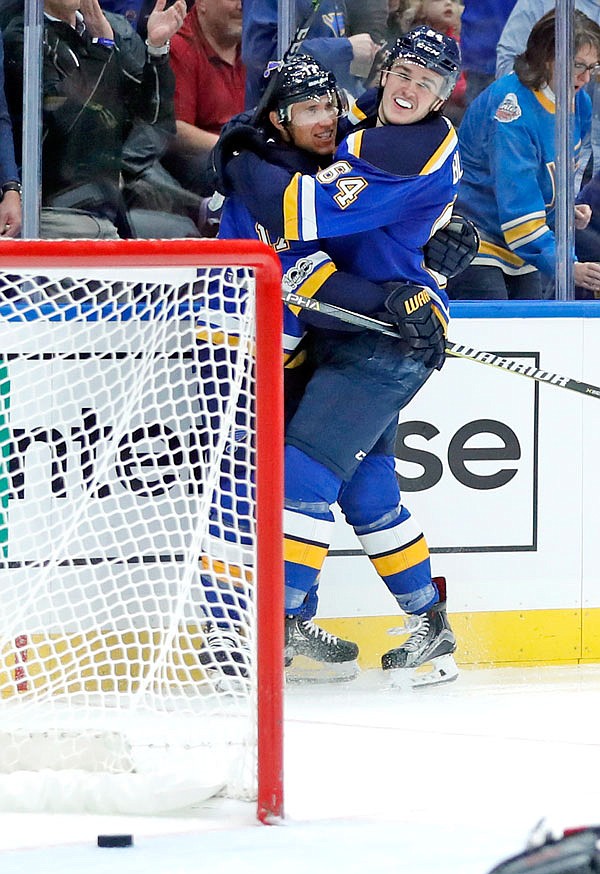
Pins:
x: 141, y: 599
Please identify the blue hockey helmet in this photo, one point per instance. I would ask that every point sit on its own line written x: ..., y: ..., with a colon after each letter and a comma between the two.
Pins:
x: 428, y: 48
x: 303, y: 78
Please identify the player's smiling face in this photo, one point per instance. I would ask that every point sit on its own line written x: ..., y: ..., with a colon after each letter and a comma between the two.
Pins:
x: 313, y: 125
x: 410, y: 92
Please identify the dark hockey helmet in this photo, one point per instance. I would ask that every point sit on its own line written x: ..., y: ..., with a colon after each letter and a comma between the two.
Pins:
x: 303, y: 78
x: 431, y: 49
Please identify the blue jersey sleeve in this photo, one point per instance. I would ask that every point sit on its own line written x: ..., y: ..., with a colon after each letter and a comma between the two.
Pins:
x: 307, y: 271
x: 372, y: 184
x: 315, y: 276
x: 379, y: 177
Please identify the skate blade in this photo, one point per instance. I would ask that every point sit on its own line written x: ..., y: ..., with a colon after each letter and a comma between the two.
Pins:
x: 440, y: 670
x: 305, y: 670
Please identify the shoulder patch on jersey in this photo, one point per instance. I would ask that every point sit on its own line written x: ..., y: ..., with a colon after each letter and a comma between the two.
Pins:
x: 406, y: 150
x: 509, y: 109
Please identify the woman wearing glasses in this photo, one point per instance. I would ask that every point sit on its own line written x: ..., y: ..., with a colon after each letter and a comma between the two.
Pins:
x: 508, y: 155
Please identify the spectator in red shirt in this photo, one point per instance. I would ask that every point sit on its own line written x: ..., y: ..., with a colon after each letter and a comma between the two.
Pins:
x: 210, y: 80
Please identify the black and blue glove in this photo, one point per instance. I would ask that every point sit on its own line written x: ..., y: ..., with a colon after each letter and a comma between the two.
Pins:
x: 417, y: 322
x: 452, y: 248
x: 236, y: 136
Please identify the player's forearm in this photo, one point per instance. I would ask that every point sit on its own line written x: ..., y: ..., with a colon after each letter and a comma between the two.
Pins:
x: 315, y: 277
x: 352, y: 292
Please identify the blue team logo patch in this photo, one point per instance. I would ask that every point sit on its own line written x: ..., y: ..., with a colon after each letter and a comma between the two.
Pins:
x: 509, y: 109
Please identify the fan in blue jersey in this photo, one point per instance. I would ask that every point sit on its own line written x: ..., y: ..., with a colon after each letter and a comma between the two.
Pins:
x: 508, y: 153
x: 391, y: 186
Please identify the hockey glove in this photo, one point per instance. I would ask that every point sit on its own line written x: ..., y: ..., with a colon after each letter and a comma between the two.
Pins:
x: 418, y: 325
x: 451, y: 249
x: 237, y: 135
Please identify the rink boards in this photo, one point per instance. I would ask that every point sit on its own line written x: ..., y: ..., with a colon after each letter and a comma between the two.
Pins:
x: 503, y: 474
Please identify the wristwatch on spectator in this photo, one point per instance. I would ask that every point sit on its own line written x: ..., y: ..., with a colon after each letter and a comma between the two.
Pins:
x: 158, y: 51
x: 11, y: 186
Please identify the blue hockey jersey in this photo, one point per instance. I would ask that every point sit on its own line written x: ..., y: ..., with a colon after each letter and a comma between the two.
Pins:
x: 389, y: 189
x: 238, y: 223
x: 307, y: 269
x: 508, y: 187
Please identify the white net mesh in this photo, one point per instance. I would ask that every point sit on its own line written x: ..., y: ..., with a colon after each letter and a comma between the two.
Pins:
x: 127, y: 538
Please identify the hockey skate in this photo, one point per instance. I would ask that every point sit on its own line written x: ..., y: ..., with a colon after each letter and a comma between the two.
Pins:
x: 425, y: 658
x: 314, y: 655
x: 225, y: 657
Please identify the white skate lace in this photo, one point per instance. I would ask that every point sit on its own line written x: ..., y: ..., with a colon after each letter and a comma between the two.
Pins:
x: 411, y: 624
x: 318, y: 632
x: 417, y: 637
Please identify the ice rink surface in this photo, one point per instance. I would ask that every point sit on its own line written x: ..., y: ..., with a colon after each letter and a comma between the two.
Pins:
x: 445, y: 780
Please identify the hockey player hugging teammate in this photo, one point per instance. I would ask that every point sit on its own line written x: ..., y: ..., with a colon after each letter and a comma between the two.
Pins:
x: 391, y: 186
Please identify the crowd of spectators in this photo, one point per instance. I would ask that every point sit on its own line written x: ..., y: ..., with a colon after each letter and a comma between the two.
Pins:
x: 135, y: 93
x: 508, y: 151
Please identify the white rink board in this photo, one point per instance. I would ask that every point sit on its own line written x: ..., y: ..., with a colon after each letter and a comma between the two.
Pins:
x: 531, y: 540
x: 58, y: 400
x: 591, y: 475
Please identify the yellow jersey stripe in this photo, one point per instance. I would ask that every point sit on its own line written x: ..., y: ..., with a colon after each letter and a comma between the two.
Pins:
x: 486, y: 248
x: 306, y: 554
x: 290, y: 208
x: 355, y: 114
x: 217, y: 337
x: 545, y: 101
x: 440, y: 155
x: 291, y: 360
x: 523, y: 230
x: 354, y: 143
x: 312, y: 285
x: 402, y: 559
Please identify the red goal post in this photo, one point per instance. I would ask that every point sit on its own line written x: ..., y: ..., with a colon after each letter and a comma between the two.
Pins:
x: 72, y: 287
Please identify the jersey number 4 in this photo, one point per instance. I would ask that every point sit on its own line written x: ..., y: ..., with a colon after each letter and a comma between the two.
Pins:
x: 348, y: 187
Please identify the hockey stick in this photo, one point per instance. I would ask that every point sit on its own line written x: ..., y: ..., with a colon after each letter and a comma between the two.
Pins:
x: 457, y: 350
x: 274, y: 67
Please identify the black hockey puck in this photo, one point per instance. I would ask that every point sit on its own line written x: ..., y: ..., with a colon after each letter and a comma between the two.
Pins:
x: 115, y: 840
